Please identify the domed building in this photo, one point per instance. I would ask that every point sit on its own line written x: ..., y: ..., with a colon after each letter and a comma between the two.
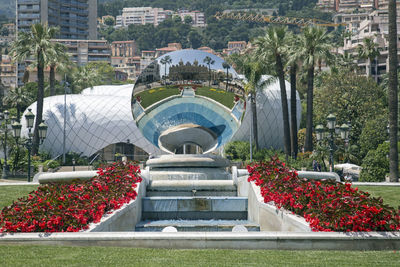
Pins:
x: 163, y: 114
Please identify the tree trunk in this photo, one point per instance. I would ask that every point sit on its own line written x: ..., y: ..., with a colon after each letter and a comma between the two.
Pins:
x: 392, y: 95
x: 293, y: 111
x: 309, y: 123
x: 18, y: 112
x: 52, y: 80
x: 285, y: 108
x: 254, y: 117
x: 39, y: 105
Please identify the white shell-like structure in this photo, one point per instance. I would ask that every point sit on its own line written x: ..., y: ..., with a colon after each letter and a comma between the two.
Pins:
x: 95, y: 119
x: 102, y: 116
x: 269, y: 115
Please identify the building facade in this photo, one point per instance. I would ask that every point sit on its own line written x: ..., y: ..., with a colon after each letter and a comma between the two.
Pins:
x: 198, y: 18
x: 125, y: 58
x: 77, y: 19
x: 7, y: 71
x: 141, y: 16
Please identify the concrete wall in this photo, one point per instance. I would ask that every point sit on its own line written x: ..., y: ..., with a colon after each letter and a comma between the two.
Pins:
x: 266, y: 215
x: 124, y: 219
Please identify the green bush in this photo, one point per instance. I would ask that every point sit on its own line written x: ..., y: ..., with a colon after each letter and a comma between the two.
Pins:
x: 238, y: 151
x: 52, y: 164
x: 375, y: 165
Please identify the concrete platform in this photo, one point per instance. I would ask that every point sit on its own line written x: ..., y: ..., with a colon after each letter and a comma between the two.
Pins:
x: 191, y: 188
x: 195, y: 225
x: 215, y: 240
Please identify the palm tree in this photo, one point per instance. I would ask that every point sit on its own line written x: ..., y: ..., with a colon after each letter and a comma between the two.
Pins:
x: 227, y: 67
x: 253, y: 69
x: 166, y: 60
x: 314, y: 45
x: 209, y: 61
x: 272, y: 48
x: 84, y: 77
x: 35, y: 44
x: 18, y: 98
x: 369, y: 50
x: 392, y: 96
x: 58, y: 60
x: 293, y: 66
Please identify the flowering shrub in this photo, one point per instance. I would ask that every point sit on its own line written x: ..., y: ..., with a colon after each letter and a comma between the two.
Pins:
x: 71, y: 207
x: 326, y: 205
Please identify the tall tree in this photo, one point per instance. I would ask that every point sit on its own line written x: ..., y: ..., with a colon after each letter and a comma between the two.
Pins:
x: 369, y: 50
x: 227, y: 67
x: 209, y: 61
x: 18, y: 98
x: 84, y: 77
x: 35, y: 44
x: 166, y: 60
x: 58, y: 59
x: 293, y: 66
x: 272, y: 48
x: 314, y: 45
x: 253, y: 70
x: 392, y: 96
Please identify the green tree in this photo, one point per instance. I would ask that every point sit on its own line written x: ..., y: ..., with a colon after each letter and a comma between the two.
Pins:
x: 18, y: 98
x: 369, y: 50
x: 35, y: 44
x: 314, y: 45
x: 164, y: 61
x: 209, y: 61
x: 272, y: 48
x: 84, y: 77
x: 393, y: 93
x: 195, y: 39
x: 253, y: 69
x: 373, y: 133
x: 188, y: 19
x: 109, y: 21
x: 227, y: 67
x: 375, y: 165
x: 351, y: 97
x: 58, y: 60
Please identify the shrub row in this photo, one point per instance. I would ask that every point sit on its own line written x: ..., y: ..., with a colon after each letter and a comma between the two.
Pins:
x: 325, y: 205
x: 72, y: 207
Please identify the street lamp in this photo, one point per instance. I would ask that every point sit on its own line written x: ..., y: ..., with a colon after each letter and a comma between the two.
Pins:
x: 333, y: 130
x: 6, y: 115
x: 16, y: 126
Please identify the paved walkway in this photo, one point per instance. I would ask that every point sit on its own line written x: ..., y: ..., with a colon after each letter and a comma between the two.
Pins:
x: 376, y: 184
x: 15, y: 182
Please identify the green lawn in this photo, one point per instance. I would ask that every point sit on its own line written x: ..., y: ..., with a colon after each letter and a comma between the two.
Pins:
x: 154, y: 95
x: 9, y: 193
x: 390, y: 194
x: 113, y: 256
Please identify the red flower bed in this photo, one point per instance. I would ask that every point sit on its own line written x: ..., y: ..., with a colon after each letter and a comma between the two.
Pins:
x: 72, y: 207
x: 326, y: 205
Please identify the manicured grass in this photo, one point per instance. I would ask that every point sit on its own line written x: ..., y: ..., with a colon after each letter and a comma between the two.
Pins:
x: 112, y: 256
x: 390, y: 194
x: 219, y: 95
x: 154, y: 95
x: 10, y: 193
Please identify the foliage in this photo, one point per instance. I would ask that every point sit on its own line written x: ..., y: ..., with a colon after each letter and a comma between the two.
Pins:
x: 237, y: 150
x: 375, y: 165
x: 373, y: 133
x: 72, y: 207
x: 352, y: 98
x: 326, y: 205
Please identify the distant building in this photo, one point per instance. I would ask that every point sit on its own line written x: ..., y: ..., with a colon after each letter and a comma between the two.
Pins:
x: 206, y: 49
x: 82, y: 52
x: 7, y: 74
x: 125, y: 58
x: 198, y: 18
x: 76, y: 18
x: 148, y: 56
x: 141, y: 16
x: 235, y: 47
x: 170, y: 48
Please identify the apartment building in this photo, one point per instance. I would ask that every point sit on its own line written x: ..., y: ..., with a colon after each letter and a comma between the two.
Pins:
x: 7, y: 74
x: 141, y: 16
x: 198, y: 18
x: 77, y: 19
x: 82, y: 52
x: 235, y: 47
x: 125, y: 58
x: 348, y: 6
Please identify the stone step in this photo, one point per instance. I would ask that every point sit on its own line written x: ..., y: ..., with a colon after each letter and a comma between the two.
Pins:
x: 196, y: 225
x: 194, y: 208
x: 191, y: 188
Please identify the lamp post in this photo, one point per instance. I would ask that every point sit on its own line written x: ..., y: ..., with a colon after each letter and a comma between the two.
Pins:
x: 29, y: 117
x: 6, y: 115
x: 333, y: 130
